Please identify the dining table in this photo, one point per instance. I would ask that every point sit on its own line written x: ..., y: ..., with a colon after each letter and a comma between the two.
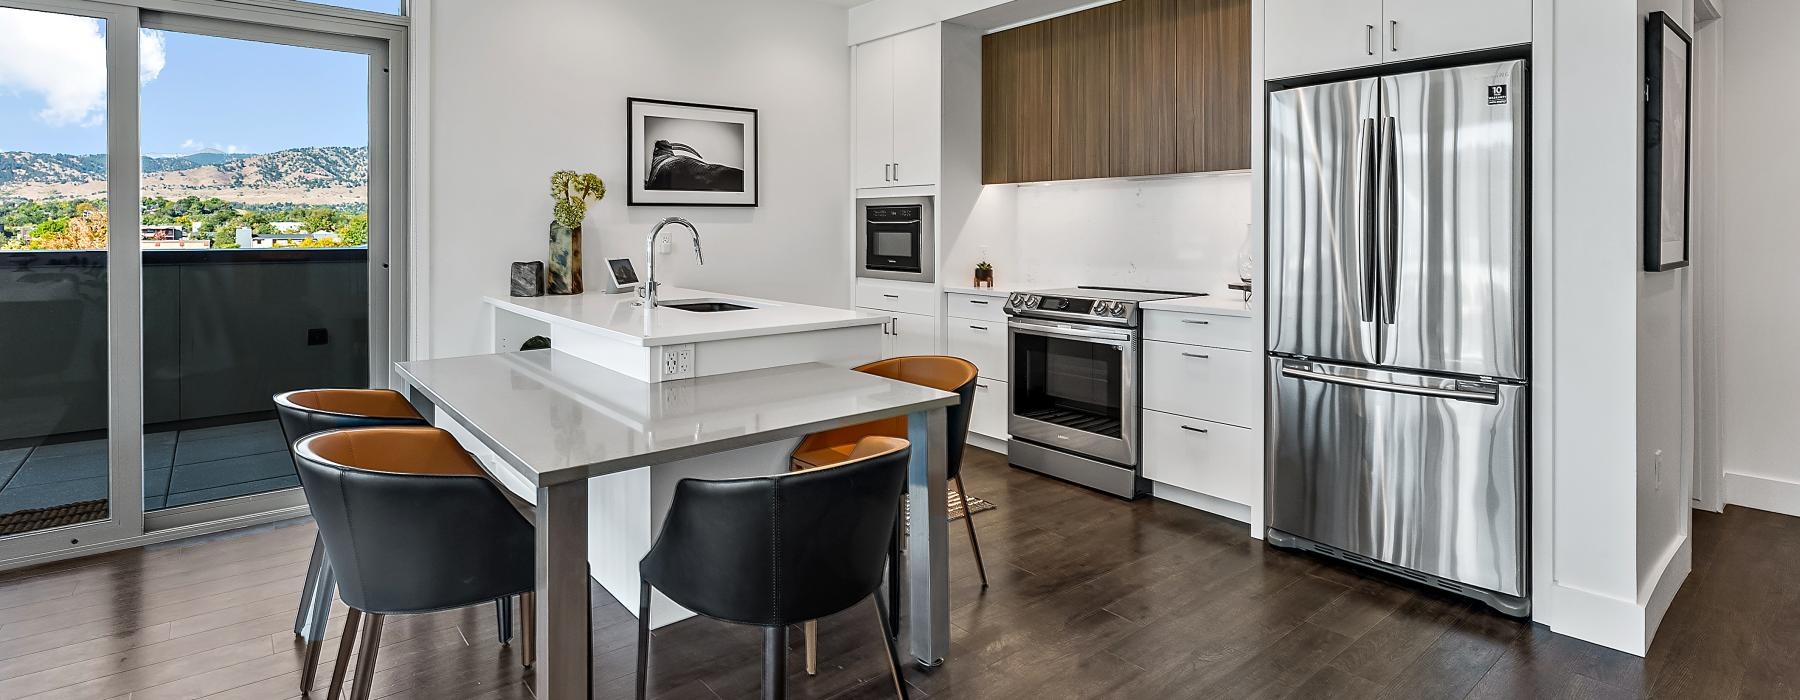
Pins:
x: 555, y: 421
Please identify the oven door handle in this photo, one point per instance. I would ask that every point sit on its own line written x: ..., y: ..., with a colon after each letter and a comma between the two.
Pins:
x: 1060, y: 331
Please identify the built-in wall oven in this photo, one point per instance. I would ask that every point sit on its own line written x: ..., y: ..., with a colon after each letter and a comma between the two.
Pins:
x: 1075, y: 385
x: 895, y: 241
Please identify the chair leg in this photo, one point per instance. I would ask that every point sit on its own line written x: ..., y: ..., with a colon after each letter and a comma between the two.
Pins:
x: 345, y: 644
x: 643, y: 647
x: 811, y: 631
x: 887, y: 639
x: 528, y: 628
x: 894, y: 564
x: 315, y: 612
x: 365, y: 658
x: 775, y: 639
x: 503, y: 618
x: 309, y: 667
x: 969, y: 520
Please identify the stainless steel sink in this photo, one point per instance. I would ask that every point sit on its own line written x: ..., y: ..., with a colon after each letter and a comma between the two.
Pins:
x: 703, y: 306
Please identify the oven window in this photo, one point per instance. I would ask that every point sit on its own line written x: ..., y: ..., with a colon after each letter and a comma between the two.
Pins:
x: 1071, y: 383
x: 893, y: 244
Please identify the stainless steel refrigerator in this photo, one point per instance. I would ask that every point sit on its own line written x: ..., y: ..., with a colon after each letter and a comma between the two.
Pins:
x: 1399, y: 326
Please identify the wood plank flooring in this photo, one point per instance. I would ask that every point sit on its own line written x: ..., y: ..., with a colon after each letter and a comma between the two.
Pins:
x: 1091, y: 597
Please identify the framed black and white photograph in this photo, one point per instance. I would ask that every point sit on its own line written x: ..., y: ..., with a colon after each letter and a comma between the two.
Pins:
x: 687, y: 154
x: 1667, y: 150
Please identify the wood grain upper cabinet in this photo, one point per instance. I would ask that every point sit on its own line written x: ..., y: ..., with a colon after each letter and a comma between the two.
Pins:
x: 1133, y: 88
x: 1317, y: 36
x: 897, y: 116
x: 1423, y: 28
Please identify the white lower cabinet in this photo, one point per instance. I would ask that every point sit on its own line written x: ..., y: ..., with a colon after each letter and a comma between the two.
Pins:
x: 1219, y: 460
x: 912, y: 334
x: 989, y: 416
x: 1195, y: 380
x: 980, y: 342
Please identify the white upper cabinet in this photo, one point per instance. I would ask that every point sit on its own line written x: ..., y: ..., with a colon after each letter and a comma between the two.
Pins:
x: 1316, y: 36
x: 1303, y: 37
x: 918, y: 118
x: 1423, y: 28
x: 874, y: 108
x: 897, y: 98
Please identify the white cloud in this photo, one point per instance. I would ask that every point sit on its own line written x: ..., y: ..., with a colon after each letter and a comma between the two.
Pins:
x: 194, y: 146
x: 62, y: 59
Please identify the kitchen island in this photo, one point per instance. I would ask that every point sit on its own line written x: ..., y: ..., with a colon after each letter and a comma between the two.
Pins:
x: 691, y: 333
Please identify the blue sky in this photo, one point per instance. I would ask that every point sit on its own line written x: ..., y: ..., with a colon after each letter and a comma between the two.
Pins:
x: 208, y: 93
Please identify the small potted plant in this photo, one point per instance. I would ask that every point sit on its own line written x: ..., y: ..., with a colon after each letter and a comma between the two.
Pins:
x: 984, y: 274
x: 572, y: 192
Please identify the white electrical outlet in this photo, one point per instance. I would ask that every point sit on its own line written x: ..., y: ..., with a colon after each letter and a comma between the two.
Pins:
x: 677, y: 361
x: 664, y: 246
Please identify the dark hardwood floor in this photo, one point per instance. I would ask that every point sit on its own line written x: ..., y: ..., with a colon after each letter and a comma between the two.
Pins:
x: 1091, y: 597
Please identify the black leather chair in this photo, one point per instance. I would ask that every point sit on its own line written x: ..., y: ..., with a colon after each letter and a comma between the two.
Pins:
x: 411, y: 524
x: 309, y: 411
x: 779, y: 550
x: 941, y: 372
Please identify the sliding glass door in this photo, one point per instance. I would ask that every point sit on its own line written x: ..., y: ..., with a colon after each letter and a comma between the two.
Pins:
x: 139, y: 345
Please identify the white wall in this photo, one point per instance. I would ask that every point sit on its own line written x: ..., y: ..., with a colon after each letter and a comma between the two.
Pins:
x: 521, y: 89
x: 1753, y: 297
x: 1664, y: 401
x: 1180, y: 233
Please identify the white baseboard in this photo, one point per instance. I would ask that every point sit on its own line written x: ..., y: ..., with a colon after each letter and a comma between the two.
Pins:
x: 988, y: 443
x: 1626, y: 625
x: 1670, y: 573
x: 1200, y: 501
x: 1763, y: 493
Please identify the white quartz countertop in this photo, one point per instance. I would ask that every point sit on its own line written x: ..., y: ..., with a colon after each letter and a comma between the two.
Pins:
x: 622, y: 317
x: 556, y: 418
x: 1227, y: 304
x: 981, y: 291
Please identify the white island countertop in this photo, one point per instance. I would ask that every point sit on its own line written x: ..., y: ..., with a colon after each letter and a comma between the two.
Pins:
x: 621, y: 317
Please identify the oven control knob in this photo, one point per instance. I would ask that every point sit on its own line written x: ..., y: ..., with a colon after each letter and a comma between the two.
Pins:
x: 1015, y: 299
x: 1103, y: 308
x: 1031, y: 302
x: 1119, y: 310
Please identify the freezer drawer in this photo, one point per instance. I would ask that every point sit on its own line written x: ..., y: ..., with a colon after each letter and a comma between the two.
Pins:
x: 1420, y: 472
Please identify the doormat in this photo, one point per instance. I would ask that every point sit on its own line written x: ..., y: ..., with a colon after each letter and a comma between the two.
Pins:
x: 19, y: 522
x: 976, y: 505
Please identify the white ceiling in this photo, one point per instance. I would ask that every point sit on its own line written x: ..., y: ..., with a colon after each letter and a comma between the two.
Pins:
x: 844, y: 3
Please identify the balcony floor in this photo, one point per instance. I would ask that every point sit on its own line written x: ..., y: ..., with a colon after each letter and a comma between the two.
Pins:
x: 180, y: 467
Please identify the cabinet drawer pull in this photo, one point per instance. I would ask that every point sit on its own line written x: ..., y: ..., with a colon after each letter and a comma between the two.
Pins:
x: 1393, y: 35
x: 1196, y: 356
x: 1193, y: 429
x: 896, y: 172
x: 1196, y: 322
x: 978, y: 301
x: 1369, y: 38
x: 979, y: 385
x: 891, y: 296
x: 979, y: 328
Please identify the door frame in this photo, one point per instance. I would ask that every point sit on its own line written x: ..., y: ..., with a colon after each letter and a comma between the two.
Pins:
x: 384, y: 39
x: 1701, y: 365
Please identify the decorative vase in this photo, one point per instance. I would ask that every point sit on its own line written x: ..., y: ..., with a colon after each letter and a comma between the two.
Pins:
x: 984, y: 278
x: 565, y: 260
x: 528, y: 279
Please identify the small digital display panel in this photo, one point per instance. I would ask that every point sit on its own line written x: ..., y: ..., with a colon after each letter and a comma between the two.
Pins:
x: 1066, y: 305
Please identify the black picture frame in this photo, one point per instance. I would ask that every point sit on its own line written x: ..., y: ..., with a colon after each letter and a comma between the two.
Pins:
x: 1662, y: 176
x: 701, y: 179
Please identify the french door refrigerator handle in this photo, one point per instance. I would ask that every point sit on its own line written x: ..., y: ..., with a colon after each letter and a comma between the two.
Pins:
x: 1366, y: 217
x: 1475, y: 396
x: 1390, y: 221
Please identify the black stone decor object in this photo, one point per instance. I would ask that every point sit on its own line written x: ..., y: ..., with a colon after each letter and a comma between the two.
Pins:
x: 528, y: 279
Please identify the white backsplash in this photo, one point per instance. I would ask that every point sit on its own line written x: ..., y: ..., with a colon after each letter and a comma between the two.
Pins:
x: 1179, y: 233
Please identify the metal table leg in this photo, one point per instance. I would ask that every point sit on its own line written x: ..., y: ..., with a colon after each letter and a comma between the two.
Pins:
x: 927, y: 617
x: 564, y: 668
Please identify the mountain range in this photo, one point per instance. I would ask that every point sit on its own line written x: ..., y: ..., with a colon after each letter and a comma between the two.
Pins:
x: 314, y: 175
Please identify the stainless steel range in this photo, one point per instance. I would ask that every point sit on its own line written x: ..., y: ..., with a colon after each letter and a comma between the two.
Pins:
x: 1075, y: 384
